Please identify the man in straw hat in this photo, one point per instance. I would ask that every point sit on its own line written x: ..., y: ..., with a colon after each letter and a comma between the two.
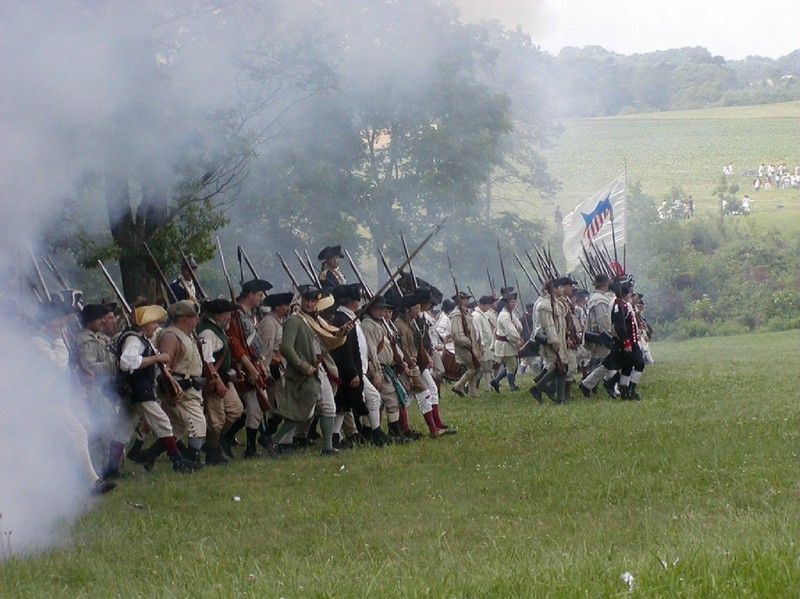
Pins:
x: 137, y: 364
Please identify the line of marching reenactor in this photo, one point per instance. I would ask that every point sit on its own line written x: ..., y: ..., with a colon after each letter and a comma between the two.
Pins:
x: 327, y: 360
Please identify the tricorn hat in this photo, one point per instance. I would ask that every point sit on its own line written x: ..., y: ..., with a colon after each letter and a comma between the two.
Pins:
x: 92, y: 312
x: 310, y: 292
x: 461, y: 295
x: 255, y: 285
x: 347, y: 293
x: 379, y: 303
x: 564, y: 281
x: 408, y: 300
x: 329, y: 252
x: 278, y: 299
x: 601, y: 279
x: 219, y: 305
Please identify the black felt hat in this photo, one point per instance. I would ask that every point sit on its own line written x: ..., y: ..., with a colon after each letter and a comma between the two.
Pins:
x: 329, y: 252
x: 278, y: 299
x: 219, y: 305
x: 254, y: 285
x: 92, y: 312
x: 347, y: 293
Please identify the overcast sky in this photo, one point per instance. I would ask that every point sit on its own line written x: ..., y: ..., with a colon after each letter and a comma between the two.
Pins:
x: 730, y: 28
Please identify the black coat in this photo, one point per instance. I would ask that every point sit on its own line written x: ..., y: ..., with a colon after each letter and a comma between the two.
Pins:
x: 348, y: 362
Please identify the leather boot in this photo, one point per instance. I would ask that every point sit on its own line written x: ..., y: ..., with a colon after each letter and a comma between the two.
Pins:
x: 150, y: 454
x: 181, y: 464
x: 250, y: 449
x: 624, y: 392
x: 568, y: 390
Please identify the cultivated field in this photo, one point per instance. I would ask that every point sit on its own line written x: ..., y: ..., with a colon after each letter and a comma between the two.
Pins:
x: 692, y: 492
x: 684, y: 148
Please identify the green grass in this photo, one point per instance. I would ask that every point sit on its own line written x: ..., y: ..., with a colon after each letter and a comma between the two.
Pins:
x: 526, y: 501
x: 686, y: 149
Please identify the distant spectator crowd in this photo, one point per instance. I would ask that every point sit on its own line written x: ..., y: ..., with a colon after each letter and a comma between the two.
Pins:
x: 677, y: 209
x: 767, y: 176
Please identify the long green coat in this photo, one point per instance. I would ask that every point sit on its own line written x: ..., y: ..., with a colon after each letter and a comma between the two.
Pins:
x: 297, y: 348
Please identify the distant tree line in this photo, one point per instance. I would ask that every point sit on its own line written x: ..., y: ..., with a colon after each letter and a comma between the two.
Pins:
x: 592, y: 81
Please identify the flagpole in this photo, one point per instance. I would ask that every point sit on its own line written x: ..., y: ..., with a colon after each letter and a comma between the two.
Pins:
x: 625, y: 203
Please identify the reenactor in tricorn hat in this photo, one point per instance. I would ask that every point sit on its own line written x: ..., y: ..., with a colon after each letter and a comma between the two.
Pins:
x: 507, y: 341
x: 485, y: 324
x: 270, y: 333
x: 553, y: 326
x: 302, y: 348
x: 183, y: 286
x: 330, y: 276
x: 246, y: 351
x: 385, y: 361
x: 466, y: 343
x: 598, y: 323
x: 416, y: 359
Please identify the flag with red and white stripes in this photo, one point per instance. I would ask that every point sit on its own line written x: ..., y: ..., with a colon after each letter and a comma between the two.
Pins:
x: 591, y: 222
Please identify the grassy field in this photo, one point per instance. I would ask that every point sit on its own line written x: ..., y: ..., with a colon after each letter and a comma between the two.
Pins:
x: 684, y: 148
x: 693, y: 492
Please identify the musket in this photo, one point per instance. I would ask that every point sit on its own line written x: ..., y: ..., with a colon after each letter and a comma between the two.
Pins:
x: 127, y: 313
x: 476, y: 363
x: 311, y: 268
x: 385, y: 286
x: 363, y: 309
x: 527, y: 275
x: 170, y: 294
x: 243, y: 256
x: 420, y: 349
x: 173, y: 388
x: 389, y: 272
x: 39, y: 276
x: 51, y: 266
x: 491, y: 281
x: 225, y: 271
x: 533, y: 266
x: 288, y: 271
x: 410, y: 267
x: 502, y: 265
x: 304, y: 266
x: 199, y: 292
x: 367, y: 291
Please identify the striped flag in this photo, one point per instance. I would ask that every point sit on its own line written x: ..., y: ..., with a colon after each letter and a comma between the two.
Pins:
x: 594, y: 220
x: 591, y: 220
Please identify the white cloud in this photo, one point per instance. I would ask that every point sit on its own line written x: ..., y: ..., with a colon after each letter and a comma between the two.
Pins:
x: 730, y: 29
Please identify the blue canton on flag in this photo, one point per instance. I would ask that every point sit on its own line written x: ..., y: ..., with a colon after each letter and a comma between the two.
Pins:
x: 595, y: 219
